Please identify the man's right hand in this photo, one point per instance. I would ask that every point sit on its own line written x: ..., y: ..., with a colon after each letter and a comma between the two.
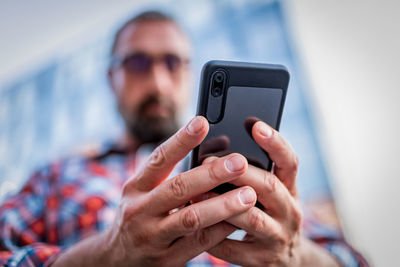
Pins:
x: 149, y: 229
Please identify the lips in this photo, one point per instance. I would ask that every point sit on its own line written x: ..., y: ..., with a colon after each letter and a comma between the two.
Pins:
x: 156, y: 106
x: 157, y: 109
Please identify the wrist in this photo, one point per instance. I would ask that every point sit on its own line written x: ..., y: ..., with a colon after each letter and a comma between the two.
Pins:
x: 112, y: 250
x: 92, y: 251
x: 311, y: 254
x: 103, y: 251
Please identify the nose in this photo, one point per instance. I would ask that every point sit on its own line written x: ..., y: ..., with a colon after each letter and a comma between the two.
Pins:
x: 161, y: 80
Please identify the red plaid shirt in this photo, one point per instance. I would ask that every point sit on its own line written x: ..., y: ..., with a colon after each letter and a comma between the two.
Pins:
x: 74, y: 198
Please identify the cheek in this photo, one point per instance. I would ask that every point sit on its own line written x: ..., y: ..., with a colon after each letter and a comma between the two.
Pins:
x: 124, y: 87
x: 124, y: 83
x: 129, y: 100
x: 183, y: 98
x: 184, y: 91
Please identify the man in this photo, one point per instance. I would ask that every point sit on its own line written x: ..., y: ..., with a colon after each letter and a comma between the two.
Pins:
x: 90, y: 211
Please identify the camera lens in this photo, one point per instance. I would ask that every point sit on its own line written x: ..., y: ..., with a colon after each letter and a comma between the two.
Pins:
x: 219, y: 77
x: 216, y: 91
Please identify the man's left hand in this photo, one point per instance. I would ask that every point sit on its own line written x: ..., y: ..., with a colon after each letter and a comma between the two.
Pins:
x: 273, y: 234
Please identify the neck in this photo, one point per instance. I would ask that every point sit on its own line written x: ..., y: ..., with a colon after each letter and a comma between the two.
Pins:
x: 129, y: 142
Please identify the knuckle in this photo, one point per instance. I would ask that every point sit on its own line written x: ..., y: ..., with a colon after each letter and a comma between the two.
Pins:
x: 297, y: 216
x: 132, y: 209
x: 129, y: 211
x: 228, y: 205
x: 296, y: 162
x: 281, y: 150
x: 281, y: 239
x: 226, y: 251
x: 203, y: 238
x: 164, y: 232
x: 126, y: 188
x: 125, y: 211
x: 211, y: 171
x: 270, y: 182
x: 158, y: 157
x: 294, y: 166
x: 280, y: 236
x: 269, y: 259
x: 124, y: 214
x: 178, y: 187
x: 190, y: 220
x: 131, y: 184
x: 142, y: 238
x: 256, y: 220
x: 277, y: 145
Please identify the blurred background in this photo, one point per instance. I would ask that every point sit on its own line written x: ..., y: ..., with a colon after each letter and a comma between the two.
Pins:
x: 341, y: 114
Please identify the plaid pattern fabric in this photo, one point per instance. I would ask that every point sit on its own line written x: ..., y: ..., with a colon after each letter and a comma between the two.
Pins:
x: 74, y: 198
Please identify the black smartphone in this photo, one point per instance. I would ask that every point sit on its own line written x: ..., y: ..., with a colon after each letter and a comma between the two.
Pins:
x: 233, y: 96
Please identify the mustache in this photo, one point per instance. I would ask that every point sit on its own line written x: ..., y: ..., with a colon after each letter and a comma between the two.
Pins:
x: 156, y: 99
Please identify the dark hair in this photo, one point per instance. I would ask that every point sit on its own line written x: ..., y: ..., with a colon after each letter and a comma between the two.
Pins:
x: 150, y: 15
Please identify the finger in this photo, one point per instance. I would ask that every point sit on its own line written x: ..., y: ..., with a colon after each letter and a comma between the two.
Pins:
x: 185, y: 186
x: 206, y: 213
x: 209, y: 159
x: 201, y: 240
x: 164, y: 158
x: 214, y: 145
x: 285, y: 160
x: 233, y: 250
x: 203, y: 197
x: 257, y: 223
x: 271, y: 192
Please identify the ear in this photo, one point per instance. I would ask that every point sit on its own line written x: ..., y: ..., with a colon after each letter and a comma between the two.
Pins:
x: 110, y: 78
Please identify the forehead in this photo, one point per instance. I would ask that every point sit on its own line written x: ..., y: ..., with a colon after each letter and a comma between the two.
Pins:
x: 153, y: 37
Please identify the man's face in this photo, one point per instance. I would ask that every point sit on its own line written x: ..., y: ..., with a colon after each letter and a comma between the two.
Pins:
x: 151, y: 81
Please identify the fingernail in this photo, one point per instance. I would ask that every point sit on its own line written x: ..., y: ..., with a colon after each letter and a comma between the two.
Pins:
x: 194, y: 126
x: 247, y: 196
x: 235, y: 163
x: 264, y: 130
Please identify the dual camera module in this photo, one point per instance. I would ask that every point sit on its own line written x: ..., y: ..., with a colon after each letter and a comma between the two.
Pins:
x: 218, y: 83
x: 217, y: 90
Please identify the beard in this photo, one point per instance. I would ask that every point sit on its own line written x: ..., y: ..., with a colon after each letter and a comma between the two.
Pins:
x: 152, y: 128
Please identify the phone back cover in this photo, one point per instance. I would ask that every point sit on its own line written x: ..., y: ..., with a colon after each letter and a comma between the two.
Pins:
x: 253, y: 92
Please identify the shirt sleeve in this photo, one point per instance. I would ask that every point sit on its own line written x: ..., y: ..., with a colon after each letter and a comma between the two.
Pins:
x: 23, y: 234
x: 321, y: 225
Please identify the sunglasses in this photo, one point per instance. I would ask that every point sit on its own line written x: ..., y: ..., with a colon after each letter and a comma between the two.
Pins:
x: 142, y: 63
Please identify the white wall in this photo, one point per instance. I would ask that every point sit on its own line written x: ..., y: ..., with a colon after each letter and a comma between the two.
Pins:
x: 350, y: 51
x: 32, y: 32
